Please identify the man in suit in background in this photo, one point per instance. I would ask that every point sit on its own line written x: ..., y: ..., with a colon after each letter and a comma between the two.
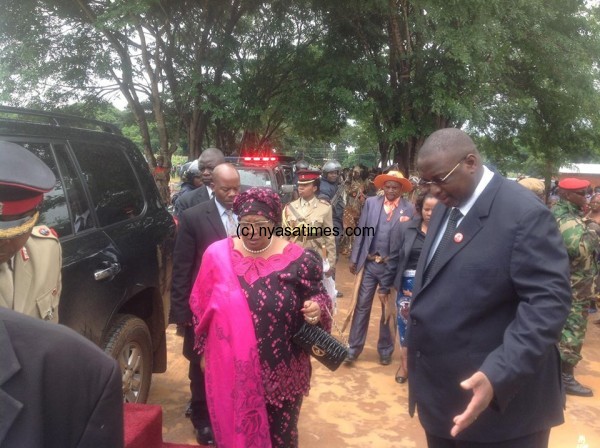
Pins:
x: 371, y: 252
x: 44, y: 401
x: 207, y: 162
x: 199, y: 227
x: 490, y: 299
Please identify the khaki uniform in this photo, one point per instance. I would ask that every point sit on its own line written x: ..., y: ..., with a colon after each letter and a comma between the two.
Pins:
x: 30, y: 283
x: 314, y: 214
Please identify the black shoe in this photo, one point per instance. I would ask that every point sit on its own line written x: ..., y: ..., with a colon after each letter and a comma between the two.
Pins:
x: 188, y: 409
x: 340, y: 294
x: 350, y: 359
x: 399, y: 378
x: 573, y: 387
x: 204, y: 435
x: 385, y: 360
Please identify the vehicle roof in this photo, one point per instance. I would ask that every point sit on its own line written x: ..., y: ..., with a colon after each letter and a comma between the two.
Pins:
x: 50, y: 120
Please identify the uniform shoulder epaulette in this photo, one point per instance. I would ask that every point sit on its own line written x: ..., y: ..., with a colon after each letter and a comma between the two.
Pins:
x: 44, y: 232
x: 323, y: 201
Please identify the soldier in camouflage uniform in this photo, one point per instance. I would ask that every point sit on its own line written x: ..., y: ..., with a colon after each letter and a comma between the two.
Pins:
x: 582, y: 246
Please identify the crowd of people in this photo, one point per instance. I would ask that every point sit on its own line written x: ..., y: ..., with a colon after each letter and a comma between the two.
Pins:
x: 486, y: 287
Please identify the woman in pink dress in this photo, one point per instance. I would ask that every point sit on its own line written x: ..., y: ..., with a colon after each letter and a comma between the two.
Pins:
x: 252, y: 294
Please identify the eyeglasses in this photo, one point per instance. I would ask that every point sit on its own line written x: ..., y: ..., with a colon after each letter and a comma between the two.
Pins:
x: 254, y: 226
x: 442, y: 181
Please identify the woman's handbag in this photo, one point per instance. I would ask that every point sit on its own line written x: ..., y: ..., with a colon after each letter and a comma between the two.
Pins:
x: 321, y: 345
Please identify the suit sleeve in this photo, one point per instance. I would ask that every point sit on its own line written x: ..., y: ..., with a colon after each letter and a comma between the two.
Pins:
x: 105, y: 425
x: 539, y: 270
x: 184, y: 258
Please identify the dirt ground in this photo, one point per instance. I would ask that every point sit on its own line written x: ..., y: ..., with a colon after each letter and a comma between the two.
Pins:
x: 362, y: 406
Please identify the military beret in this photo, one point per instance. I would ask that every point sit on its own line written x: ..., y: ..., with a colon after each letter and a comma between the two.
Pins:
x: 572, y: 183
x: 24, y: 179
x: 308, y: 176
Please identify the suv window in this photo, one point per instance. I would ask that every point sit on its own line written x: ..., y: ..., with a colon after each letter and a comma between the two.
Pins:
x: 80, y: 209
x: 54, y: 212
x: 116, y: 194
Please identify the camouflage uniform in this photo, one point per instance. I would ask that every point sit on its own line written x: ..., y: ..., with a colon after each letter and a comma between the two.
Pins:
x: 582, y: 246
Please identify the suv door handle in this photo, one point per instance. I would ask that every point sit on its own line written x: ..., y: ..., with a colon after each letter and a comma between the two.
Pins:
x: 108, y: 273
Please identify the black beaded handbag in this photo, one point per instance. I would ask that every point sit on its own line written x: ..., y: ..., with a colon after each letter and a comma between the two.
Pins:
x: 321, y: 345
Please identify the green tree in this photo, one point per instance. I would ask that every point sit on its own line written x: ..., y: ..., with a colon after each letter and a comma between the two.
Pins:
x: 520, y: 68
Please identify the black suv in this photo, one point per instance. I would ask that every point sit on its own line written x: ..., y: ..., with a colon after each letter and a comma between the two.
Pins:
x: 117, y: 262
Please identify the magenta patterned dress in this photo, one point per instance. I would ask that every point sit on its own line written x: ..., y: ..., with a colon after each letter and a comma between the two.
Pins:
x: 276, y: 289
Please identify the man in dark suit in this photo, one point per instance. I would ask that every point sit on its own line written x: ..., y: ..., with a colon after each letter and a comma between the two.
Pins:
x: 44, y: 400
x: 199, y: 227
x: 490, y: 299
x: 371, y: 252
x: 207, y: 162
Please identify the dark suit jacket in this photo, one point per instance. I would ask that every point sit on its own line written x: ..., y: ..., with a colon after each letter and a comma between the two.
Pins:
x: 57, y: 389
x: 369, y: 217
x: 199, y: 227
x: 496, y: 303
x: 189, y: 199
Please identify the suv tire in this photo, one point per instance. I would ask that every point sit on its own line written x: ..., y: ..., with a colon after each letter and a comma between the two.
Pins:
x: 129, y: 343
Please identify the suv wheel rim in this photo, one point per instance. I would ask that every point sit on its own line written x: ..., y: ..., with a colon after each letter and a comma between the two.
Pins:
x: 130, y: 361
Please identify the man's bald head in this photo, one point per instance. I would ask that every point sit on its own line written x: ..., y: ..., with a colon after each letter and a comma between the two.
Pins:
x: 449, y: 141
x: 208, y: 161
x: 226, y: 183
x: 450, y: 166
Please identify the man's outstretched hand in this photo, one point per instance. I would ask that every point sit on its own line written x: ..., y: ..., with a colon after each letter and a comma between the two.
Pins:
x: 483, y: 392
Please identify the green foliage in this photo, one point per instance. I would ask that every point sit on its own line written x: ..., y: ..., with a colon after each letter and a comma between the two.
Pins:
x: 520, y: 75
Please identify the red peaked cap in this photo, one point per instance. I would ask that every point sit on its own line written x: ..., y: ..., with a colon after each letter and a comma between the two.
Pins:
x: 572, y: 183
x: 307, y: 176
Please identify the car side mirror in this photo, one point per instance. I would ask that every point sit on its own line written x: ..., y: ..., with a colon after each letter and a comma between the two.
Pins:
x: 287, y: 189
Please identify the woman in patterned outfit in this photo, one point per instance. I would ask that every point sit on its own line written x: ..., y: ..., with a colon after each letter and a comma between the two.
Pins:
x: 252, y: 294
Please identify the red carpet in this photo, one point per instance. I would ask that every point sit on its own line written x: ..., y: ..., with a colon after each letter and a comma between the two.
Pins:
x: 143, y: 427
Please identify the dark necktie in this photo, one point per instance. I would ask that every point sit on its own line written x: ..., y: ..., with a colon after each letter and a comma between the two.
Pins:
x: 455, y: 215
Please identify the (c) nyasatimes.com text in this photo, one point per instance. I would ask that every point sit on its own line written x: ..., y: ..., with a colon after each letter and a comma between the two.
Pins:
x: 303, y: 231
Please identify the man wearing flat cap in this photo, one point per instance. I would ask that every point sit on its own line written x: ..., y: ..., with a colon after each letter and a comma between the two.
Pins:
x: 310, y: 220
x: 582, y: 246
x: 30, y: 255
x: 369, y: 259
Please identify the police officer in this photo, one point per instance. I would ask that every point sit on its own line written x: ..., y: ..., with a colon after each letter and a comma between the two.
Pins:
x: 301, y: 165
x: 582, y: 246
x: 191, y: 179
x: 332, y: 191
x: 310, y: 219
x: 30, y: 255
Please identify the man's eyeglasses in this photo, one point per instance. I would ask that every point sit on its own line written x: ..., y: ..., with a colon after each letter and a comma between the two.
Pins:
x: 442, y: 181
x: 254, y: 226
